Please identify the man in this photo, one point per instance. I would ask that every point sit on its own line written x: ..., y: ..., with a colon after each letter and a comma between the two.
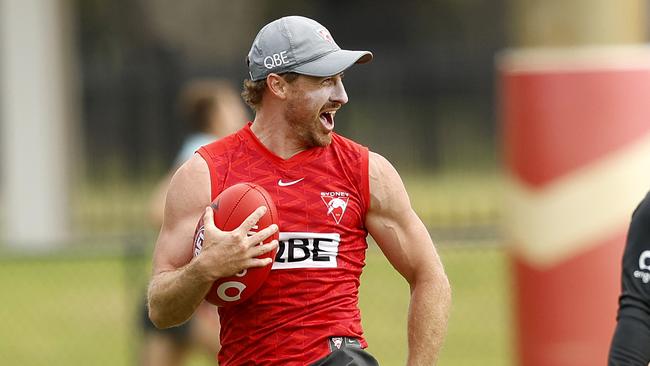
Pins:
x: 328, y: 190
x: 631, y: 342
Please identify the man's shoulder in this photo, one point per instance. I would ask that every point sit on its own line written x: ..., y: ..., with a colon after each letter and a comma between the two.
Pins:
x: 192, y: 171
x: 187, y: 188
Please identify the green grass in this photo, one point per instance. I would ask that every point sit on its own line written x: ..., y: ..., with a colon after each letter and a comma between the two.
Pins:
x: 64, y: 312
x: 81, y: 311
x: 454, y: 199
x: 479, y: 325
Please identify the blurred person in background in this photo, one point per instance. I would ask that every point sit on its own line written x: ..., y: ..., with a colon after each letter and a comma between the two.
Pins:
x: 212, y: 109
x: 631, y: 341
x: 323, y: 185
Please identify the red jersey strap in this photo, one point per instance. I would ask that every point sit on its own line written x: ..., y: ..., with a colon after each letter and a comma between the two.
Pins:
x: 205, y: 154
x: 360, y: 153
x: 217, y: 156
x: 365, y: 177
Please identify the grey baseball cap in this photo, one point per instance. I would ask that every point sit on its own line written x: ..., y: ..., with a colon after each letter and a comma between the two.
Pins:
x: 301, y: 45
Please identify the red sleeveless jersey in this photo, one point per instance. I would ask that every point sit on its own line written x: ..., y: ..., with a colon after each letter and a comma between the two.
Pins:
x: 322, y: 195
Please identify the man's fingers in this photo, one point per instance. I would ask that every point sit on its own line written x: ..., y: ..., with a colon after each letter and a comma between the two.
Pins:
x: 208, y: 218
x: 262, y: 235
x: 255, y: 262
x: 263, y: 249
x: 252, y: 219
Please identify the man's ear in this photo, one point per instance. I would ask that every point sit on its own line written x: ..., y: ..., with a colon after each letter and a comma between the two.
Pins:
x: 277, y: 85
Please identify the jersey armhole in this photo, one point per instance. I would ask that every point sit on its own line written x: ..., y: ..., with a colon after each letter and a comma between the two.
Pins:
x: 365, y: 179
x: 205, y: 154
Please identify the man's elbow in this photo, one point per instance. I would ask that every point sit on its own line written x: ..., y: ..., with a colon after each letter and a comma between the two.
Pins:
x: 158, y: 318
x: 443, y: 287
x: 436, y: 282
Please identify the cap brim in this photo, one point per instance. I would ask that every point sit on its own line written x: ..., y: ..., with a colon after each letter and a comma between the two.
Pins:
x: 333, y: 63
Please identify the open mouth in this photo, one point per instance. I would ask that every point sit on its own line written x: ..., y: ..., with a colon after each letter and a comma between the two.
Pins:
x: 327, y: 119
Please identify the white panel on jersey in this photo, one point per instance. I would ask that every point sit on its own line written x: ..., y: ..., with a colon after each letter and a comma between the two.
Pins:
x: 307, y: 250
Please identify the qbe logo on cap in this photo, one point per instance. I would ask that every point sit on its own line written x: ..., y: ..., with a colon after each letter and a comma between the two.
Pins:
x: 275, y: 60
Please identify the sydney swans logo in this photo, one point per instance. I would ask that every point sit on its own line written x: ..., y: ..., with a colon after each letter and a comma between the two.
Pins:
x: 336, y: 203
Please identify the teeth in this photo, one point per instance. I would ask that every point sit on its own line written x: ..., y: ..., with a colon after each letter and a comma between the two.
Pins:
x: 329, y: 117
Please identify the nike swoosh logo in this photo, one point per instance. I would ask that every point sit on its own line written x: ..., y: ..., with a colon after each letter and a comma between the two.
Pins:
x: 284, y: 184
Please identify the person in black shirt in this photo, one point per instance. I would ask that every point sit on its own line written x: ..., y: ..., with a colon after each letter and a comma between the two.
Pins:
x: 631, y: 342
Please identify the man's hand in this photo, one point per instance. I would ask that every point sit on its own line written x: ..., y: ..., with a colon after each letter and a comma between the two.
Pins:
x: 227, y: 253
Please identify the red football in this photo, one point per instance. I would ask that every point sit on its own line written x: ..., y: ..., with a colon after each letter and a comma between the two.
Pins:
x: 231, y: 208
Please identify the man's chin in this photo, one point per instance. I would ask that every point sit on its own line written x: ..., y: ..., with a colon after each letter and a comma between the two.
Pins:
x: 324, y: 140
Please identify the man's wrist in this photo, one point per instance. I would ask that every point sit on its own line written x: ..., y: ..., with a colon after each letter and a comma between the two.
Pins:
x: 197, y: 273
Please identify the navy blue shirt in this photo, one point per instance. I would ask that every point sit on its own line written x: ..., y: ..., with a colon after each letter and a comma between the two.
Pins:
x: 631, y: 341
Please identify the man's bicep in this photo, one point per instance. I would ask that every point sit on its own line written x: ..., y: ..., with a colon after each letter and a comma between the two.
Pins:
x: 404, y: 241
x: 394, y: 225
x: 187, y: 197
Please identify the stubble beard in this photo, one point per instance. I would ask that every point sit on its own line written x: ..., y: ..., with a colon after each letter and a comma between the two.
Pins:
x: 306, y: 127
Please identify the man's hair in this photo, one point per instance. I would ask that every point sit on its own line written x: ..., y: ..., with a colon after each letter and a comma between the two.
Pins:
x: 254, y: 90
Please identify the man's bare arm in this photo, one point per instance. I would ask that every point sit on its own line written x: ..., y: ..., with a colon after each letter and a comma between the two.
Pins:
x: 179, y: 282
x: 404, y: 240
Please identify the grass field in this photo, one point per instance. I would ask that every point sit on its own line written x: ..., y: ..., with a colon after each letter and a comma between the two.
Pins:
x: 81, y: 310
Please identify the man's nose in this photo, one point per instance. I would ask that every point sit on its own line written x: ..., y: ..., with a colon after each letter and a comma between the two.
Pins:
x: 339, y: 95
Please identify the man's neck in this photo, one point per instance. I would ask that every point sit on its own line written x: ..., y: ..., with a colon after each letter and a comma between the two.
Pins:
x: 276, y: 135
